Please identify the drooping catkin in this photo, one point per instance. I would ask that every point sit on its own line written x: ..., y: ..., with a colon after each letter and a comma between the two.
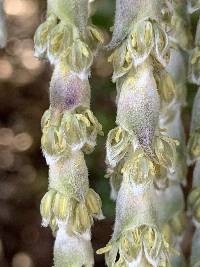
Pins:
x: 194, y: 140
x: 141, y: 156
x: 171, y: 120
x: 69, y: 129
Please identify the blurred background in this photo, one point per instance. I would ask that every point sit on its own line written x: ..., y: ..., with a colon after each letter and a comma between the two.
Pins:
x: 24, y: 82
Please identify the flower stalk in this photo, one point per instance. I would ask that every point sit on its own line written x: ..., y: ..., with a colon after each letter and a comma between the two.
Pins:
x: 69, y: 129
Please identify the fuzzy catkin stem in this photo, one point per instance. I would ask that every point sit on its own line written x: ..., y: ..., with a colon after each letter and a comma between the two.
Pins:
x: 69, y: 130
x: 138, y: 151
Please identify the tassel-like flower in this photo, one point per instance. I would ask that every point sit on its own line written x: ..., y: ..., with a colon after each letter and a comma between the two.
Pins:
x: 127, y: 158
x: 145, y: 39
x: 115, y: 175
x: 170, y: 120
x: 138, y: 149
x: 69, y: 177
x: 166, y: 87
x: 66, y: 37
x: 138, y: 167
x: 69, y: 198
x: 136, y: 237
x: 69, y: 132
x: 118, y: 144
x: 129, y: 12
x: 165, y: 150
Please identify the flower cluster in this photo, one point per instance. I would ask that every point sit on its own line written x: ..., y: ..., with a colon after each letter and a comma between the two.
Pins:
x: 173, y: 211
x: 66, y: 37
x: 146, y: 154
x: 69, y: 129
x: 137, y: 237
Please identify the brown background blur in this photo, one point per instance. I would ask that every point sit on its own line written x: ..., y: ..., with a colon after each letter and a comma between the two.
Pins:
x: 24, y: 84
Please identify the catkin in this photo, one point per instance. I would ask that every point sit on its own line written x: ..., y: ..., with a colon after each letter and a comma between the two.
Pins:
x: 145, y: 155
x: 69, y: 129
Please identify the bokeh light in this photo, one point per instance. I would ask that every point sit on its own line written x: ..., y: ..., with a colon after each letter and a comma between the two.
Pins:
x: 22, y: 259
x: 6, y: 69
x: 25, y: 8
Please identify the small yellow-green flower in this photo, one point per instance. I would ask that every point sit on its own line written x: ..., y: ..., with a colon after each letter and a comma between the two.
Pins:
x: 67, y: 132
x: 146, y: 39
x: 66, y: 37
x: 166, y: 86
x: 170, y: 120
x: 69, y: 199
x: 165, y: 150
x: 137, y: 237
x: 42, y: 35
x: 131, y: 12
x: 142, y: 246
x: 77, y: 215
x: 81, y: 129
x: 53, y: 141
x: 117, y: 145
x: 116, y: 176
x: 138, y: 167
